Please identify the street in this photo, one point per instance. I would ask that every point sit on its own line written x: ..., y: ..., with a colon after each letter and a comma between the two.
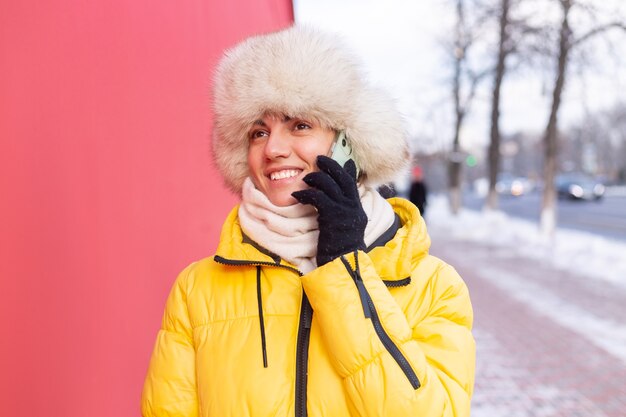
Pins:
x: 605, y: 217
x: 549, y: 342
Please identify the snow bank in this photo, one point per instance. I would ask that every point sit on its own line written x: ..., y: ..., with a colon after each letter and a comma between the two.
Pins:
x: 579, y: 252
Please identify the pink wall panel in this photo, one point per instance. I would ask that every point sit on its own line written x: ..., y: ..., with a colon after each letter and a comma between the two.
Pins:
x: 106, y: 187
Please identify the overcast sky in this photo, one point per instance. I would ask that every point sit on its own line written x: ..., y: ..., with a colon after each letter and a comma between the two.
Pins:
x: 400, y: 42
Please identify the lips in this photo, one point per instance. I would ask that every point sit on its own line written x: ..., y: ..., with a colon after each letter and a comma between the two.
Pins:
x: 283, y: 174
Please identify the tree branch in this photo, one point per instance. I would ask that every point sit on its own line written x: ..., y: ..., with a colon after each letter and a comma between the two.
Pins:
x: 597, y: 30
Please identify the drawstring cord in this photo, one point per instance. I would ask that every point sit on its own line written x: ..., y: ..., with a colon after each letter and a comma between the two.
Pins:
x: 261, y: 321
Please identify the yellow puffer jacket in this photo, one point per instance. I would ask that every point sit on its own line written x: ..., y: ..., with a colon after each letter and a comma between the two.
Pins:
x: 385, y: 334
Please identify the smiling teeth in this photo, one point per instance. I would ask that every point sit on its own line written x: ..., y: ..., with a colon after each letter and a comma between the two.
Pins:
x: 279, y: 175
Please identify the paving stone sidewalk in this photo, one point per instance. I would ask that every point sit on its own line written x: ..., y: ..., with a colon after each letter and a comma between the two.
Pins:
x: 534, y: 361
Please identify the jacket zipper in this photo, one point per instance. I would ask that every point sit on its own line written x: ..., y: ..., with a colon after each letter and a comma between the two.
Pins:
x: 302, y: 356
x: 304, y: 332
x: 236, y: 262
x: 399, y: 283
x: 369, y: 310
x: 390, y: 346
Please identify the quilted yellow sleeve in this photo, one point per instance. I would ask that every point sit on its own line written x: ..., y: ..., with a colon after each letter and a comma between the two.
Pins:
x: 170, y: 386
x: 443, y: 334
x: 414, y: 358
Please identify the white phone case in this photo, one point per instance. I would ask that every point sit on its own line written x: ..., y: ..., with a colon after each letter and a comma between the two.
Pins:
x: 342, y: 151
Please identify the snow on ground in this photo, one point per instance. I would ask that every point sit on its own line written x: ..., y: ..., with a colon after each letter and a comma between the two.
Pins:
x: 579, y: 252
x: 500, y: 391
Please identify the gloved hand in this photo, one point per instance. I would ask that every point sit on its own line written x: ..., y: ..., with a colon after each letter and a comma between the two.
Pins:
x: 341, y: 217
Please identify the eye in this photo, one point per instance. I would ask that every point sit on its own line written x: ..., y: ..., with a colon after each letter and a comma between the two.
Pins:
x: 257, y: 133
x: 302, y: 125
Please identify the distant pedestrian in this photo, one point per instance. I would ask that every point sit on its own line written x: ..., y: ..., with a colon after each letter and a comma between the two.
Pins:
x: 419, y: 192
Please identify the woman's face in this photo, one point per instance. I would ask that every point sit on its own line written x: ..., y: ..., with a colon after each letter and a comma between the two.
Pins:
x: 281, y: 152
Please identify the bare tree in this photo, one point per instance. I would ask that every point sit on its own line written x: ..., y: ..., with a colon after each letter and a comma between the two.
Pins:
x: 513, y: 28
x: 567, y: 41
x: 616, y: 121
x: 603, y: 135
x: 464, y: 83
x: 500, y: 70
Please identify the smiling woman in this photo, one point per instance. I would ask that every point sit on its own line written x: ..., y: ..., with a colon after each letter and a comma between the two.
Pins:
x: 322, y: 299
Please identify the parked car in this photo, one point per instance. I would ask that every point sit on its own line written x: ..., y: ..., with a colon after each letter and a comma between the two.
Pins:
x: 509, y: 184
x: 578, y: 186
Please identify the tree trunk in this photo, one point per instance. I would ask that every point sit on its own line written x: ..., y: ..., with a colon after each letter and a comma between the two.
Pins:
x: 454, y: 164
x: 494, y: 144
x: 454, y: 168
x: 548, y: 206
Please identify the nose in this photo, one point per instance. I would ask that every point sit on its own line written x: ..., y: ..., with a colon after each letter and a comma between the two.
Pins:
x: 277, y: 145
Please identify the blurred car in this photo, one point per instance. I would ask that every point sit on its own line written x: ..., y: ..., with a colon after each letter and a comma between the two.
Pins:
x: 508, y: 184
x: 578, y: 186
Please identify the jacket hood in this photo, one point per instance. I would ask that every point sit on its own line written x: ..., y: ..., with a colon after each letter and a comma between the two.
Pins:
x: 303, y: 73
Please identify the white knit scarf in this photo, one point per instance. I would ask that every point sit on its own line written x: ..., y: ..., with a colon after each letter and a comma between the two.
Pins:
x: 291, y: 232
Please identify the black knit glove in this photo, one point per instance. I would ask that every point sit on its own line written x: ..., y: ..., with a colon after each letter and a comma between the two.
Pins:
x: 341, y: 217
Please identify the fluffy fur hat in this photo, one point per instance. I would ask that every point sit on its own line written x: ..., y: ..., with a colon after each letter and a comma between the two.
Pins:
x: 300, y: 72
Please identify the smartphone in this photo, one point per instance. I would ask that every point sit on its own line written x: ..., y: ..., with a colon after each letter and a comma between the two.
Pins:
x: 342, y: 151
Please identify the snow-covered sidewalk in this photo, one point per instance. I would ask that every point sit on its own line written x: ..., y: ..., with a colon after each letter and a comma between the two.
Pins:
x: 549, y: 315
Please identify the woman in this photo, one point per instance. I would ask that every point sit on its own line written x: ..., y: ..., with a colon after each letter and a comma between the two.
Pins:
x: 322, y: 299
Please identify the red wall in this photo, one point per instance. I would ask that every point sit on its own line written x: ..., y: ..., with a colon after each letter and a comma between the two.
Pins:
x: 106, y: 188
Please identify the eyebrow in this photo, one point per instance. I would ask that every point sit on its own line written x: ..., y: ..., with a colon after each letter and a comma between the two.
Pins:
x: 262, y: 123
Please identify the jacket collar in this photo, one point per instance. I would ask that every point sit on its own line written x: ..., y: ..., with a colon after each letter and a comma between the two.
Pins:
x: 394, y: 260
